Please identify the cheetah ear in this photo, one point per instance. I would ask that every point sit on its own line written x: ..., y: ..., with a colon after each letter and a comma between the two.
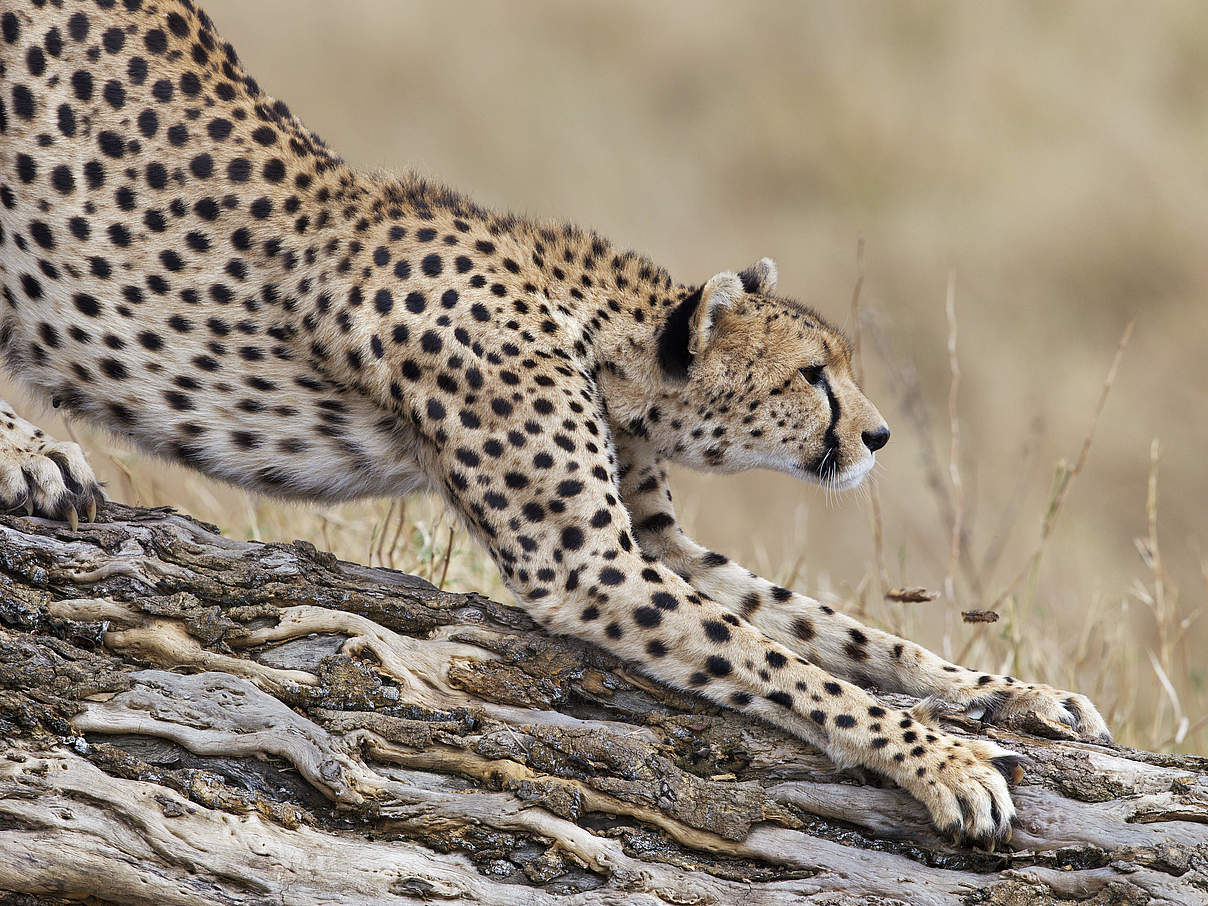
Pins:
x: 760, y: 277
x: 722, y: 291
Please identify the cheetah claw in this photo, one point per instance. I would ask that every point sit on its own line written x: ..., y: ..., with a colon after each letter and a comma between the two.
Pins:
x: 967, y: 792
x: 1044, y: 711
x: 40, y: 476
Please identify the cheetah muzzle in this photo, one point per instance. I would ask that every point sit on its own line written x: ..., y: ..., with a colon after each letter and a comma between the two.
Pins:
x: 184, y: 263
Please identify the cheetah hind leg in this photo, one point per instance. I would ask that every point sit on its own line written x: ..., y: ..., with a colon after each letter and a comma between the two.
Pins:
x: 43, y: 476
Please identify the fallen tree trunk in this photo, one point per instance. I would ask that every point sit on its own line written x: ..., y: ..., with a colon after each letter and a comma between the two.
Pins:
x: 189, y: 719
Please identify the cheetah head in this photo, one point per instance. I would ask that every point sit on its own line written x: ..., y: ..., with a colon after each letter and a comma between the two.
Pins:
x: 748, y: 379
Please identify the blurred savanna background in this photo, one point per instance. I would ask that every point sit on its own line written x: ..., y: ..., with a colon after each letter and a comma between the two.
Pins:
x: 1024, y: 179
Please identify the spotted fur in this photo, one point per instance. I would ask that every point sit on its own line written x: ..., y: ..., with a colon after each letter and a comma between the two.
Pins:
x: 186, y: 264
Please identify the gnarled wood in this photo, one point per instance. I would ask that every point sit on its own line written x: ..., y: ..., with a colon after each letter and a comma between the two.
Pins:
x: 191, y: 719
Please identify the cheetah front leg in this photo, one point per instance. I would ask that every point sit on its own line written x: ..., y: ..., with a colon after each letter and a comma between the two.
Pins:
x: 43, y: 476
x: 833, y: 640
x: 549, y: 512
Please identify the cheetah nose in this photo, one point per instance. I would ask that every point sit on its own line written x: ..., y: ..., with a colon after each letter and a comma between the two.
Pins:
x: 875, y: 440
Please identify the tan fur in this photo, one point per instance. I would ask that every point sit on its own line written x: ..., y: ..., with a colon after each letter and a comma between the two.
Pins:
x: 184, y: 263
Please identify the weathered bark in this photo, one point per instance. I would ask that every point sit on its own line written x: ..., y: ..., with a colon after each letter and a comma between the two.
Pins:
x: 187, y: 719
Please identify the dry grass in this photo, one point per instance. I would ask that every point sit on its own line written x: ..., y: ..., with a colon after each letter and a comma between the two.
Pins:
x: 1050, y: 156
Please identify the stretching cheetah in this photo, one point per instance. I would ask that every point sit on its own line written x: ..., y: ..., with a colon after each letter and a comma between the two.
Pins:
x: 185, y: 264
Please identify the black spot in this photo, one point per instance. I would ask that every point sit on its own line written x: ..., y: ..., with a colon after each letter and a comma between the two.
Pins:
x: 431, y: 265
x: 157, y: 175
x: 111, y: 144
x: 155, y: 41
x: 77, y: 27
x: 572, y: 538
x: 781, y: 698
x: 114, y: 94
x: 81, y: 84
x: 136, y: 70
x: 35, y: 61
x: 716, y: 630
x: 718, y: 666
x: 31, y: 287
x: 846, y: 721
x: 202, y: 166
x: 274, y: 170
x: 647, y: 617
x: 206, y: 209
x: 245, y: 440
x: 148, y: 123
x: 27, y: 170
x: 67, y: 120
x: 664, y: 600
x: 114, y: 39
x: 113, y: 369
x: 23, y: 102
x: 12, y: 27
x: 41, y: 234
x: 219, y: 129
x: 177, y: 23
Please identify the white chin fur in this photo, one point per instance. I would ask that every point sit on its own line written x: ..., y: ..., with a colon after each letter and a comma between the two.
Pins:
x: 848, y: 478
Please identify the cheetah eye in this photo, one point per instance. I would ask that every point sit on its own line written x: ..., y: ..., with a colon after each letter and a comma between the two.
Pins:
x: 812, y: 373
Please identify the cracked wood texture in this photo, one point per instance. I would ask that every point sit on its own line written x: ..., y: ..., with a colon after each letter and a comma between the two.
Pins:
x: 187, y: 719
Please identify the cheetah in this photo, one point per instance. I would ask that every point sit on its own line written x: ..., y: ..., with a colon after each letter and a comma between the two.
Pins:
x: 185, y: 264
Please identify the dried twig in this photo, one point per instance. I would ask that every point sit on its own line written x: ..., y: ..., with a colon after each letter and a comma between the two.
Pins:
x: 913, y: 595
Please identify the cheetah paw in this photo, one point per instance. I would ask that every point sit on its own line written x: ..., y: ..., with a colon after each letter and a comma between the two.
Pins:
x: 42, y: 476
x: 1045, y: 711
x: 965, y: 789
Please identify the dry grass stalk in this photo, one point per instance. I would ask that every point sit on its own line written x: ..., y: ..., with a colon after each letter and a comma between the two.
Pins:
x: 444, y: 572
x: 954, y: 427
x: 979, y: 616
x: 857, y: 365
x: 1066, y: 475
